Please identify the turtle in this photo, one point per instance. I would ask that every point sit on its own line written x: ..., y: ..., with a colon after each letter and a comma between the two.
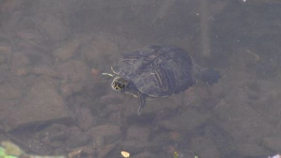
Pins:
x: 157, y: 71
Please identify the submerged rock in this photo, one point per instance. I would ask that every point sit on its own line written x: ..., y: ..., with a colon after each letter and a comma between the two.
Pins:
x: 109, y: 132
x: 272, y: 143
x: 8, y: 91
x: 138, y: 133
x: 42, y: 104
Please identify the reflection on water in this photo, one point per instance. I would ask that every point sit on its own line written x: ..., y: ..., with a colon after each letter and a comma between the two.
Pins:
x: 54, y: 102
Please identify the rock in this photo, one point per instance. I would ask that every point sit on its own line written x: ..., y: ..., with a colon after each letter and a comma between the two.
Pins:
x: 187, y: 120
x: 159, y: 104
x: 135, y: 146
x: 169, y: 149
x: 21, y: 83
x: 112, y: 98
x: 6, y: 108
x: 46, y: 71
x: 267, y: 93
x: 19, y: 60
x: 4, y: 48
x: 109, y: 132
x: 175, y: 136
x: 67, y: 50
x: 38, y: 70
x: 54, y: 133
x: 3, y: 76
x: 96, y: 76
x: 106, y: 150
x: 52, y: 26
x: 89, y: 150
x: 161, y: 138
x: 86, y: 151
x: 234, y: 110
x: 85, y: 119
x: 251, y: 150
x: 106, y: 130
x: 2, y: 58
x: 116, y: 118
x: 22, y: 71
x: 76, y: 138
x: 186, y: 154
x: 74, y: 71
x: 204, y: 147
x: 101, y: 50
x: 35, y: 145
x: 138, y: 133
x: 68, y: 89
x: 58, y: 151
x: 181, y: 153
x: 110, y: 108
x: 42, y: 104
x: 106, y: 47
x: 9, y: 6
x: 52, y: 7
x: 57, y: 144
x: 195, y: 95
x: 272, y: 143
x: 7, y: 92
x: 218, y: 136
x: 29, y: 35
x: 76, y: 76
x: 145, y: 155
x: 99, y: 141
x: 165, y: 114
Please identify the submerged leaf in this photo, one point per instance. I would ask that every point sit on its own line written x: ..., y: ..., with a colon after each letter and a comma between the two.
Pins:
x: 125, y: 154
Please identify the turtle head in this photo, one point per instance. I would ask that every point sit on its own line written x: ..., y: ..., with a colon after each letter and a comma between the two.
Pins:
x: 119, y: 83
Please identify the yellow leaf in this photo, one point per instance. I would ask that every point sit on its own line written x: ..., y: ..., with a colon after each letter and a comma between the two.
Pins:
x: 125, y: 154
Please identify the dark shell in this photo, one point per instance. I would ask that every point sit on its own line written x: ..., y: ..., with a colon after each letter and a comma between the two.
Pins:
x: 157, y: 71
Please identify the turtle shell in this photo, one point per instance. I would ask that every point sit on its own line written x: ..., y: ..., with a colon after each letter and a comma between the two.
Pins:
x: 157, y: 71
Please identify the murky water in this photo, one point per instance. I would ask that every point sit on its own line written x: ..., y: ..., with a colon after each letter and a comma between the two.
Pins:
x: 53, y: 100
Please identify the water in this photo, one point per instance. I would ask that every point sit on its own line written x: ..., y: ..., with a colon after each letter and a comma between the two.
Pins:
x: 54, y: 102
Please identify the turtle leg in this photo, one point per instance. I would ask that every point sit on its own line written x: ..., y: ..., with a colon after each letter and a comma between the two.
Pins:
x: 141, y: 97
x: 107, y: 76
